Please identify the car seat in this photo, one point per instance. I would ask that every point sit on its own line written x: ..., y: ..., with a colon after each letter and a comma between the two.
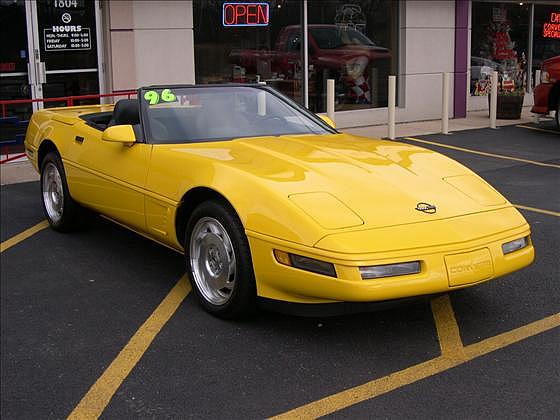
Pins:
x: 125, y: 112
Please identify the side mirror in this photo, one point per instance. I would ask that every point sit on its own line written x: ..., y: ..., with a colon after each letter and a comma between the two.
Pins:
x: 327, y: 120
x: 120, y: 134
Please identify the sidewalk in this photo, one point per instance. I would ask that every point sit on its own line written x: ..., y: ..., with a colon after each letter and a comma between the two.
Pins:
x: 17, y: 171
x: 475, y: 119
x: 22, y: 171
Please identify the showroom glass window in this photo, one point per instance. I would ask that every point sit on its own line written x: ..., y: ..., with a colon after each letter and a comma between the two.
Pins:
x: 546, y: 33
x: 355, y: 43
x: 499, y: 41
x: 231, y: 49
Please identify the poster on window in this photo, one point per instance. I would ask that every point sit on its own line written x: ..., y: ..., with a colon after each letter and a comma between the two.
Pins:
x: 498, y: 44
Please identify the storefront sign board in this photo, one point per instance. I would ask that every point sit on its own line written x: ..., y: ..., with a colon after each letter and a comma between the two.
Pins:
x: 245, y: 14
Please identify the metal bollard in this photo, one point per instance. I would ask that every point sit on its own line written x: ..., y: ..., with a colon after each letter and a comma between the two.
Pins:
x: 493, y: 99
x: 330, y: 98
x: 445, y: 104
x: 391, y: 106
x: 261, y: 103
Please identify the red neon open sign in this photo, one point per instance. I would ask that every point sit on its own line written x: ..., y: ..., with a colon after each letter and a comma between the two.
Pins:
x: 552, y: 29
x: 245, y: 14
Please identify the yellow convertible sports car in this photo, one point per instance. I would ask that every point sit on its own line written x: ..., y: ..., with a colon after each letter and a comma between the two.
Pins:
x: 270, y: 203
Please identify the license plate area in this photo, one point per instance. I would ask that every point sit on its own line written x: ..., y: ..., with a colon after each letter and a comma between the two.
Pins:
x: 469, y: 267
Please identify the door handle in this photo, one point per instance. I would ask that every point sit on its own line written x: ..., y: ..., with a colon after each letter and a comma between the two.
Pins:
x: 79, y: 139
x: 41, y: 72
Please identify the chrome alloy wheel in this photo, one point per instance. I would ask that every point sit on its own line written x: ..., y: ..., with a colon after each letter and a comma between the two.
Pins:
x: 212, y: 260
x: 53, y: 192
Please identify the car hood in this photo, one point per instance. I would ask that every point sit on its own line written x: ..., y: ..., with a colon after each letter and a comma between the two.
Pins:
x: 552, y: 60
x: 343, y: 181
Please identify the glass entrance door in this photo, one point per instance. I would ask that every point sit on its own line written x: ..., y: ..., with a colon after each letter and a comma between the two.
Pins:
x: 15, y: 75
x: 67, y: 44
x: 14, y: 57
x: 49, y: 49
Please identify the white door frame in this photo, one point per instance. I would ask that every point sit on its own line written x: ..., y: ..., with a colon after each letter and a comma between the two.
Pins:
x: 100, y: 47
x: 35, y: 67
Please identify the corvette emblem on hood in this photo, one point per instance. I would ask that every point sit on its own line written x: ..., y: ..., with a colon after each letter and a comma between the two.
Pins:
x: 426, y: 208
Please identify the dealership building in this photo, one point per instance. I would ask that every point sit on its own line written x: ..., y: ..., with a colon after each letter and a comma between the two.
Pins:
x: 60, y: 48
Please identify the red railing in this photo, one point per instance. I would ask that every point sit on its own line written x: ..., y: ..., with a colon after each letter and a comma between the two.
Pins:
x: 68, y: 100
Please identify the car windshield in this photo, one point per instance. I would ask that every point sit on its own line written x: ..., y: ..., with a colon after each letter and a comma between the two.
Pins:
x: 333, y: 37
x: 213, y: 113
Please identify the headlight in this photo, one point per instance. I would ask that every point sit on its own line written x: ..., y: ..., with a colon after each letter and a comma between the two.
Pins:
x: 305, y: 263
x: 355, y: 67
x: 514, y: 245
x: 390, y: 270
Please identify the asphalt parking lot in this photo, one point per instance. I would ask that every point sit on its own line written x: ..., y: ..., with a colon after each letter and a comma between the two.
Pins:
x: 79, y: 312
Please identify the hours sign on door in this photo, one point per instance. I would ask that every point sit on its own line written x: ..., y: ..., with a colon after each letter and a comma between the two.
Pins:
x: 67, y: 37
x: 63, y: 29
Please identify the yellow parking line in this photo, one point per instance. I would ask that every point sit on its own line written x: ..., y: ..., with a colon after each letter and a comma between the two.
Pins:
x: 538, y: 129
x: 415, y: 373
x: 536, y: 210
x: 96, y: 399
x: 511, y: 337
x: 14, y: 240
x: 478, y: 152
x: 447, y: 328
x: 369, y: 390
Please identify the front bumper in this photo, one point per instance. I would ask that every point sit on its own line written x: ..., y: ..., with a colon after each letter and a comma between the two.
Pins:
x: 443, y: 268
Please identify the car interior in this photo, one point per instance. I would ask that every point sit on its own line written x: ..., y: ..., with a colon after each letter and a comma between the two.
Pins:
x: 126, y: 112
x: 238, y: 117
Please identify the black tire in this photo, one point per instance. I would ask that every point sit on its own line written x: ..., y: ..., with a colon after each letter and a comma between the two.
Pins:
x: 70, y: 215
x: 240, y: 300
